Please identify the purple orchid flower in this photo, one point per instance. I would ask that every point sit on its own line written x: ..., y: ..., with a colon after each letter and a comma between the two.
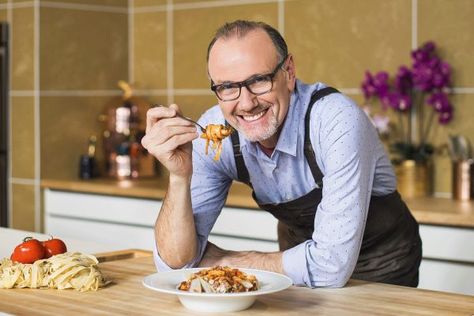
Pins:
x: 404, y: 80
x: 375, y: 86
x: 399, y: 102
x: 440, y: 102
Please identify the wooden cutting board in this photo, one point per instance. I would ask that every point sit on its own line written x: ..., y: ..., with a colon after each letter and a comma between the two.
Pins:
x: 127, y: 296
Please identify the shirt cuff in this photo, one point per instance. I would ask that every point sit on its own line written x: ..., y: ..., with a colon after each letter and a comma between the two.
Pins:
x: 294, y: 264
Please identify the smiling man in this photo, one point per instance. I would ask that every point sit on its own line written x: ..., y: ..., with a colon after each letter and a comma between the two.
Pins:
x: 312, y: 158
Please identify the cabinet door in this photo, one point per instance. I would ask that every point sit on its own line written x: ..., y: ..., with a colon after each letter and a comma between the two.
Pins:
x: 247, y: 223
x: 447, y: 276
x: 241, y: 244
x: 118, y: 236
x: 117, y: 221
x: 448, y: 259
x: 245, y: 229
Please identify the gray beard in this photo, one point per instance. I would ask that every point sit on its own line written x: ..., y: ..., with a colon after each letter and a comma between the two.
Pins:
x: 265, y: 133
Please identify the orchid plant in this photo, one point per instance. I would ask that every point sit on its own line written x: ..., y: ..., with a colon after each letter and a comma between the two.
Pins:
x: 409, y: 93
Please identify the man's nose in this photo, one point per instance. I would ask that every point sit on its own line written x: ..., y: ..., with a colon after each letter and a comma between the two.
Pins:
x: 247, y: 99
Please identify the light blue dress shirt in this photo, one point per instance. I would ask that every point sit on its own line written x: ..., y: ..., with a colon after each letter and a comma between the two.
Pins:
x: 351, y: 158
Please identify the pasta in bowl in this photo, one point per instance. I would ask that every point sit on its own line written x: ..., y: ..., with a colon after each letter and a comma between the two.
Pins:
x: 220, y: 280
x: 170, y: 281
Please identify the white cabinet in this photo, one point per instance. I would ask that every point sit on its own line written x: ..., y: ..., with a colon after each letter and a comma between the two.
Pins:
x: 124, y: 222
x: 245, y: 229
x: 118, y: 221
x: 448, y: 259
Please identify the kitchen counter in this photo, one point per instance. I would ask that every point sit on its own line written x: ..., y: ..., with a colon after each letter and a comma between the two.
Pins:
x: 428, y: 210
x: 126, y: 295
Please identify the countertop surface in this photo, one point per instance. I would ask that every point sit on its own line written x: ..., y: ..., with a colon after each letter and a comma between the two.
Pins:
x: 127, y: 296
x: 427, y: 210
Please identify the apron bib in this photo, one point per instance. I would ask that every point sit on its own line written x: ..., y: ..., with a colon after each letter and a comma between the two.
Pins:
x: 391, y: 244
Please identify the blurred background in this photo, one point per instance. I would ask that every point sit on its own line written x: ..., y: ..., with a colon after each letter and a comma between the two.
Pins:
x: 68, y: 55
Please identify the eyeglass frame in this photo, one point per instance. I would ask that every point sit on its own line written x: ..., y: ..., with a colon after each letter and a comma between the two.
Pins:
x: 245, y: 83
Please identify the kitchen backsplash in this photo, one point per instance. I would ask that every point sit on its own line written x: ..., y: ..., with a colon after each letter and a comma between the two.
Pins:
x: 67, y: 57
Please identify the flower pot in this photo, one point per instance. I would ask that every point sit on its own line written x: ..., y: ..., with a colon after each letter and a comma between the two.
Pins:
x: 414, y: 178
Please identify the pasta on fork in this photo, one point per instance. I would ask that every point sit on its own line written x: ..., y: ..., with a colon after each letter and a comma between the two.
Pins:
x: 216, y: 133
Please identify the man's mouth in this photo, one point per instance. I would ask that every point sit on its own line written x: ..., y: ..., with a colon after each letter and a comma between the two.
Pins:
x: 253, y: 117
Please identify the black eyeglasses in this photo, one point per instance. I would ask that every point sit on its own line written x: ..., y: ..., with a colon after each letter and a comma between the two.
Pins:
x: 258, y: 85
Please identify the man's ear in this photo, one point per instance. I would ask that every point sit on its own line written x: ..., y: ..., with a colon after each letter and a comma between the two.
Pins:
x: 290, y: 71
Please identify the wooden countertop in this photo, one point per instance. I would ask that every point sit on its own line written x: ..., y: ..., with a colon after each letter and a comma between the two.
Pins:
x: 429, y: 210
x: 126, y: 295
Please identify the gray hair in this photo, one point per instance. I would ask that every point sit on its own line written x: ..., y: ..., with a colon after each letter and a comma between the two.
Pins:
x: 240, y: 28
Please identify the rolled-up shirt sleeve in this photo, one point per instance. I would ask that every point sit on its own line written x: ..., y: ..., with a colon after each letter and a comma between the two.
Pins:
x: 345, y: 140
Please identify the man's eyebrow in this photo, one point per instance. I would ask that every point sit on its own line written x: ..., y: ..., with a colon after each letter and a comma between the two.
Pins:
x: 231, y: 82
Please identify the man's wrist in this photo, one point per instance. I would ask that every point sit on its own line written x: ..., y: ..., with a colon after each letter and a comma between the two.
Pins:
x: 179, y: 180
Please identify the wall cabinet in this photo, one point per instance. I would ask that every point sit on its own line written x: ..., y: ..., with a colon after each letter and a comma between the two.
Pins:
x: 448, y: 254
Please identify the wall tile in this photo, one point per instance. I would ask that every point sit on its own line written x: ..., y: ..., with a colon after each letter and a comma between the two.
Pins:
x: 3, y: 15
x: 82, y: 50
x: 150, y: 68
x: 66, y: 125
x: 112, y: 3
x: 194, y: 106
x: 23, y: 137
x: 450, y: 25
x: 195, y: 2
x: 336, y: 41
x: 149, y: 3
x: 23, y: 202
x: 22, y: 76
x: 195, y: 28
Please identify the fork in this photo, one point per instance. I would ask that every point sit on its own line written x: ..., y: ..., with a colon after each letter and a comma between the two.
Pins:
x: 183, y: 117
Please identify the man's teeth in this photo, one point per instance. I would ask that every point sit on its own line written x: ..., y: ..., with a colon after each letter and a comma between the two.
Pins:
x: 250, y: 118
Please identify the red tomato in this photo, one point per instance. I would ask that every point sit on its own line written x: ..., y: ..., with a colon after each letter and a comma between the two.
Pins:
x: 53, y: 247
x: 28, y: 251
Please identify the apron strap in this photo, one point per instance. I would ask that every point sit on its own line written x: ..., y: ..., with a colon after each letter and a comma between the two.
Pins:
x: 242, y: 172
x: 308, y: 147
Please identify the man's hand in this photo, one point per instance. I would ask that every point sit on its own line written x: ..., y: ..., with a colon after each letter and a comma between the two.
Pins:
x: 168, y: 138
x: 270, y: 261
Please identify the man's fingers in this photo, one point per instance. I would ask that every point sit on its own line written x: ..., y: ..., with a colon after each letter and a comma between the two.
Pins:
x: 162, y: 134
x: 163, y: 149
x: 153, y: 115
x: 177, y: 141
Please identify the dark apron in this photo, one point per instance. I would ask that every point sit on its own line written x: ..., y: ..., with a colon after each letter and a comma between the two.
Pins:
x: 391, y: 245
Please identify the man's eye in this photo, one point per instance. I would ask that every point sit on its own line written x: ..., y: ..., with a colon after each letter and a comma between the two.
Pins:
x: 261, y: 79
x: 227, y: 87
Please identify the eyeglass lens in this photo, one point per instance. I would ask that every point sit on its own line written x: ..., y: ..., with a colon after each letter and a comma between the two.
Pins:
x: 258, y: 85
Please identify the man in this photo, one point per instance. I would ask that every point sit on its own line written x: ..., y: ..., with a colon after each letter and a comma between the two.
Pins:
x: 312, y: 158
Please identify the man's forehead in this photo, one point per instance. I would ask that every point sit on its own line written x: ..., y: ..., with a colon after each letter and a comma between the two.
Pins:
x: 250, y: 38
x: 253, y: 53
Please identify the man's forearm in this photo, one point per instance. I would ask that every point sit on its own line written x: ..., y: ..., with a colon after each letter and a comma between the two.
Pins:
x: 175, y: 232
x: 270, y: 261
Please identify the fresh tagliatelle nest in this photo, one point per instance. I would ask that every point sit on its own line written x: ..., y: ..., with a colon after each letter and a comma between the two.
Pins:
x: 220, y: 280
x: 70, y: 270
x: 216, y: 133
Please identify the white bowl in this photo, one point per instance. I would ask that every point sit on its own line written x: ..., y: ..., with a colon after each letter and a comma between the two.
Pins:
x: 167, y: 282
